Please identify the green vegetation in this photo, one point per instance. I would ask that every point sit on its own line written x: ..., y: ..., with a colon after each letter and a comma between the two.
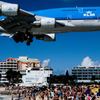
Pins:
x: 13, y: 76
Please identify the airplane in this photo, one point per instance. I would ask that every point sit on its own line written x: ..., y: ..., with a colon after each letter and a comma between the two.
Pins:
x: 23, y: 25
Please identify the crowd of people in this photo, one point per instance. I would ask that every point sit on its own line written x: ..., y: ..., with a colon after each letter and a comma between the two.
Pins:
x: 58, y: 92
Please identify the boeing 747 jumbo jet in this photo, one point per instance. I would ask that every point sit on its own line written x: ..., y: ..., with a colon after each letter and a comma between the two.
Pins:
x: 23, y: 26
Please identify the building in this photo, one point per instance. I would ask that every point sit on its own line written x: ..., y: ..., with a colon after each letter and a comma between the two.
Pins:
x: 33, y: 73
x: 87, y: 71
x: 36, y: 76
x: 86, y: 74
x: 10, y: 63
x: 25, y: 63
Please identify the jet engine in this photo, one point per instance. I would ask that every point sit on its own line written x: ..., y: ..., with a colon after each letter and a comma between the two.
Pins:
x: 9, y: 9
x: 46, y: 37
x: 48, y: 22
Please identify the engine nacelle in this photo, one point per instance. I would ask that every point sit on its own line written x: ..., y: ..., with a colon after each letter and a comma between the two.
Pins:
x: 9, y: 9
x: 46, y: 37
x: 48, y: 23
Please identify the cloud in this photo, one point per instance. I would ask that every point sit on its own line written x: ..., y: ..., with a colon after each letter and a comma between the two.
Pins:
x: 45, y: 63
x: 88, y: 62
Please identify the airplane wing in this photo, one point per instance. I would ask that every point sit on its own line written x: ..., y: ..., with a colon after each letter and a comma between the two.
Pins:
x: 16, y: 19
x: 20, y: 22
x: 17, y: 24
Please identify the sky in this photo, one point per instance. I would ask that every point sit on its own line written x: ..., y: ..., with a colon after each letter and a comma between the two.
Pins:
x: 68, y: 50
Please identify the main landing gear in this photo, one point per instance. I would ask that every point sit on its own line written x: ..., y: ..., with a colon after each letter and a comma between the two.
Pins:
x: 23, y: 37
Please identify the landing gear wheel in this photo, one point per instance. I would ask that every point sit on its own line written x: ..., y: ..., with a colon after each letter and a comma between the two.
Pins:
x: 21, y: 37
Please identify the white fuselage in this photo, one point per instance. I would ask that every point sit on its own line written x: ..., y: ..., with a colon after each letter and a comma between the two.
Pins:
x: 70, y: 26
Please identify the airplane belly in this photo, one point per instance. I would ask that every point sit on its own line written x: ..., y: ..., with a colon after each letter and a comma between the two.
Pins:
x: 85, y: 23
x: 79, y: 25
x: 70, y: 26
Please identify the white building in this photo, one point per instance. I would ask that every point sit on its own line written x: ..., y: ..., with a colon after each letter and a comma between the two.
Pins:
x: 85, y: 74
x: 33, y: 73
x: 87, y: 71
x: 36, y: 76
x: 10, y: 63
